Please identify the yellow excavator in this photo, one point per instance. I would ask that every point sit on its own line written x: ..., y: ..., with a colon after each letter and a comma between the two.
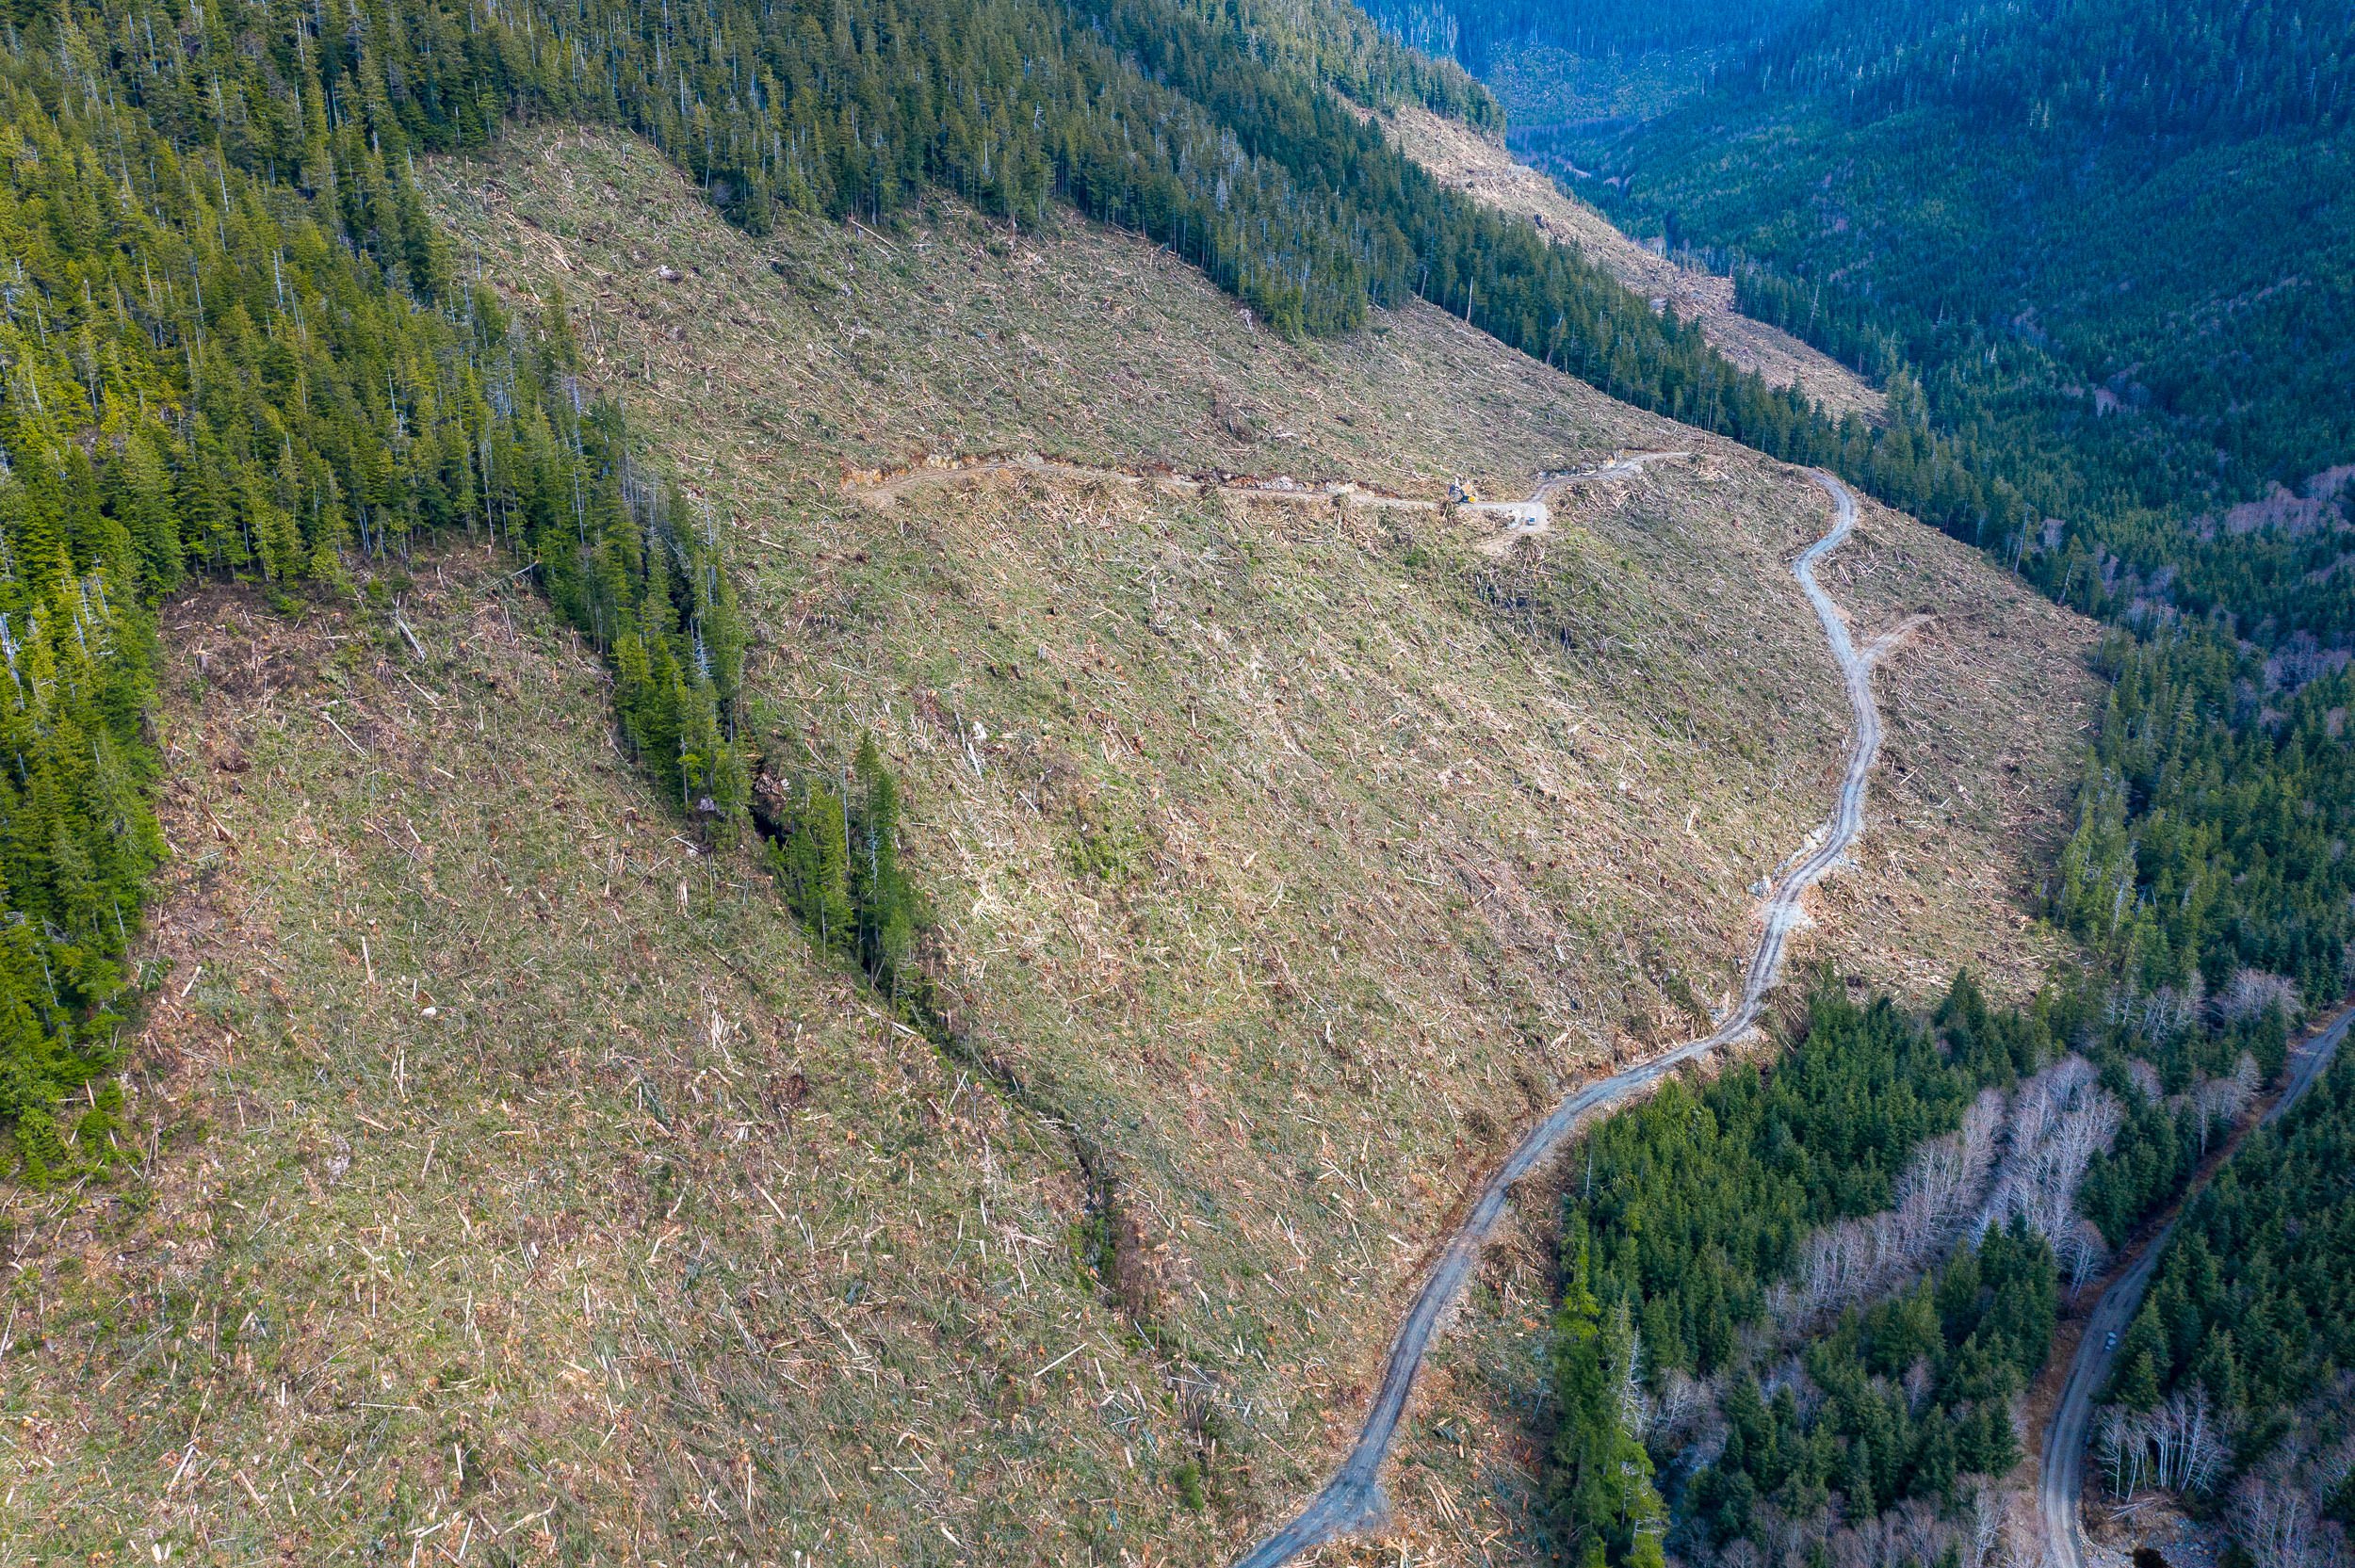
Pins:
x: 1460, y: 495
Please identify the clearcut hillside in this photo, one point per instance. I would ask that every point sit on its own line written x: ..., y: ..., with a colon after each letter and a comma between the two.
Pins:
x: 518, y: 1182
x: 513, y: 1182
x: 1297, y: 855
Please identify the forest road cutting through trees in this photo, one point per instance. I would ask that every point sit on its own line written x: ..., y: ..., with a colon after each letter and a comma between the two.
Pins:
x: 2060, y: 1475
x: 1353, y: 1499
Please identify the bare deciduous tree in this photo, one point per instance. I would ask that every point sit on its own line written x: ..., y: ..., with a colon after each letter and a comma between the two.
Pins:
x: 1986, y: 1517
x: 2274, y: 1519
x: 1741, y: 1552
x: 2157, y: 1014
x: 2252, y: 991
x: 2123, y: 1450
x: 1682, y: 1399
x: 2217, y: 1103
x: 1636, y: 1410
x: 2179, y: 1447
x: 2060, y: 1119
x: 1862, y: 1257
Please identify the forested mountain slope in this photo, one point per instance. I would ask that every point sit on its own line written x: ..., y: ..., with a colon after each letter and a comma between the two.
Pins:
x: 2232, y: 1378
x: 1462, y: 155
x: 2112, y: 242
x: 1599, y: 64
x: 2122, y: 227
x: 939, y: 1009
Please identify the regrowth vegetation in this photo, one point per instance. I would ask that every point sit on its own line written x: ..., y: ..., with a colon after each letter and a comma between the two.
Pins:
x: 2213, y: 823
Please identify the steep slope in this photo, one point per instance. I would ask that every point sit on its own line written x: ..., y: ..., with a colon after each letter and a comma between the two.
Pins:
x: 2084, y: 1361
x: 1495, y: 782
x: 1352, y: 1498
x: 1461, y: 156
x: 512, y: 1176
x: 1296, y: 854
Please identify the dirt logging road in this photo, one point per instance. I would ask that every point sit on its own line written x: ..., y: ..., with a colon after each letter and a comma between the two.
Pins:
x: 1519, y: 518
x: 2061, y: 1477
x: 1353, y: 1499
x: 1534, y: 516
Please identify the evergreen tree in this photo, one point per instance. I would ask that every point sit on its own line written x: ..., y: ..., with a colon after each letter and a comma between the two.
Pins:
x: 233, y: 347
x: 1601, y: 1481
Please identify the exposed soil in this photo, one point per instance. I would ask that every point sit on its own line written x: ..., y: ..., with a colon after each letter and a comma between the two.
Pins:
x: 1461, y: 157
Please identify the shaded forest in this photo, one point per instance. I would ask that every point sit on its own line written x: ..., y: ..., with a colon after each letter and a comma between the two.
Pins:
x: 2233, y: 1381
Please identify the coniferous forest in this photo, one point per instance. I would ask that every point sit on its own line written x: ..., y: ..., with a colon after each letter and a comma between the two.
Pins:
x: 1798, y: 1305
x: 243, y: 358
x: 1778, y: 1394
x: 2232, y: 1382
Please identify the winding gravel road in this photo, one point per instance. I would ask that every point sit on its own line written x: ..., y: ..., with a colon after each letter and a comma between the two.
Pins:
x: 2060, y: 1479
x: 1353, y: 1499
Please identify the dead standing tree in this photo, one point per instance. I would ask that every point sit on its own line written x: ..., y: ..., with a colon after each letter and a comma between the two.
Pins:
x: 2060, y: 1120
